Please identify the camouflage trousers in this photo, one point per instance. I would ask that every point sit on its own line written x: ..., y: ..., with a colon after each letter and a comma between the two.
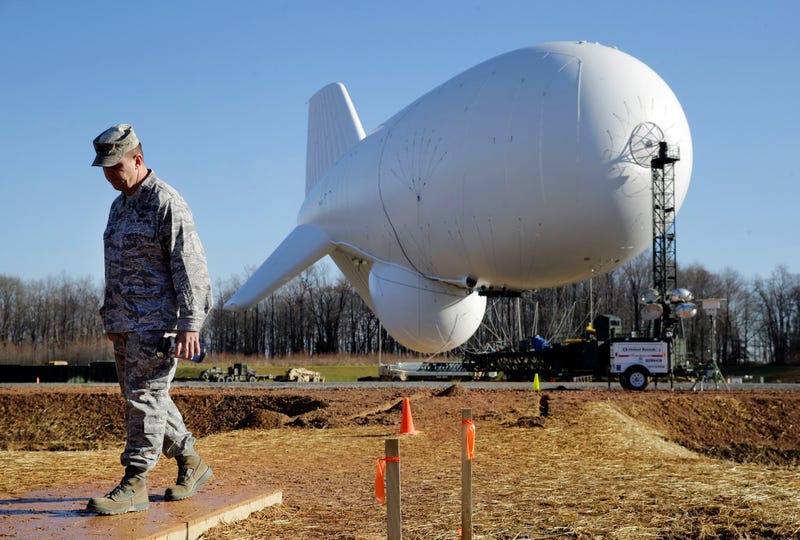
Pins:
x: 154, y: 424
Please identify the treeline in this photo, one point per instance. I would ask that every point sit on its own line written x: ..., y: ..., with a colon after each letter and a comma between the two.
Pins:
x: 57, y: 318
x: 50, y: 319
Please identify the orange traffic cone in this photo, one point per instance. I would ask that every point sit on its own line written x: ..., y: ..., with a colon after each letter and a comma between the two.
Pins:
x: 407, y: 423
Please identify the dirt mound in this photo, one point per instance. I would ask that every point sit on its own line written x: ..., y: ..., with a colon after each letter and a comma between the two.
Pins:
x: 751, y: 453
x: 740, y: 426
x: 455, y: 390
x: 90, y: 418
x: 263, y: 419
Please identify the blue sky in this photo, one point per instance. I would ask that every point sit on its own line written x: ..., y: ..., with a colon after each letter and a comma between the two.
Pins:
x: 218, y: 93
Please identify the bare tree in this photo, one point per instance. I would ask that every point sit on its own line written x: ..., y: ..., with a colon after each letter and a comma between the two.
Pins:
x: 778, y: 312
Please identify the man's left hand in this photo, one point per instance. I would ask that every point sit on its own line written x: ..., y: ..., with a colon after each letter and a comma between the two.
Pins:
x: 188, y: 345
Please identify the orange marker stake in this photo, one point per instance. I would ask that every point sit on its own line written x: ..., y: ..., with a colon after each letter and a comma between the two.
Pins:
x: 470, y: 426
x: 380, y: 477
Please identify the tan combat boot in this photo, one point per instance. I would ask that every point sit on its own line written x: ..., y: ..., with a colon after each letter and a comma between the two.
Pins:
x: 192, y: 473
x: 129, y: 496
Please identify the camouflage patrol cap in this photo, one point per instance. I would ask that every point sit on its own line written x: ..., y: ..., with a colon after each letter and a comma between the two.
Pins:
x: 114, y: 143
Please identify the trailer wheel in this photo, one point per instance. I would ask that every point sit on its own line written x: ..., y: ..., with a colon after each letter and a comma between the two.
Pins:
x: 635, y: 378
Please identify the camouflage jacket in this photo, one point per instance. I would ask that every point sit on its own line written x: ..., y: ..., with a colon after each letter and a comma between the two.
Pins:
x: 156, y: 273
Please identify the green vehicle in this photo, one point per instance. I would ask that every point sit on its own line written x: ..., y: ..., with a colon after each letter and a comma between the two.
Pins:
x: 235, y: 373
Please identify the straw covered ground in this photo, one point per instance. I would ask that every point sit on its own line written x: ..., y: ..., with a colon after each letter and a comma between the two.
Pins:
x: 548, y: 464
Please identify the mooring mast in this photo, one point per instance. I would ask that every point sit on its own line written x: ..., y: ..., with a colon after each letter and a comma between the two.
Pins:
x: 665, y: 268
x: 664, y: 258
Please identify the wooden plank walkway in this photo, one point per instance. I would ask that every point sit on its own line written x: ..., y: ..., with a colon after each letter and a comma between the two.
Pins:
x: 60, y: 513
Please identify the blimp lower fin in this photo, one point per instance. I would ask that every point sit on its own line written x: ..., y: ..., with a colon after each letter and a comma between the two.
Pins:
x: 356, y: 269
x: 304, y: 246
x: 333, y: 129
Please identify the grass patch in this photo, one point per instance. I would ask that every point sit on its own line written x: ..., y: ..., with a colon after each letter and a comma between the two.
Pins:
x: 332, y: 373
x: 771, y: 373
x: 334, y: 367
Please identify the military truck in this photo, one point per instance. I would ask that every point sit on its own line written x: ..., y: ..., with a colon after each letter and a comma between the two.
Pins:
x: 235, y: 373
x: 301, y: 375
x: 242, y: 373
x: 212, y: 374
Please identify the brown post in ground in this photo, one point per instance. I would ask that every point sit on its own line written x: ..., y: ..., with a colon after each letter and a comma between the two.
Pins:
x: 393, y: 513
x: 466, y: 476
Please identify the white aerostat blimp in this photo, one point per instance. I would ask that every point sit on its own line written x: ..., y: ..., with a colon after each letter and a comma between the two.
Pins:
x: 527, y: 171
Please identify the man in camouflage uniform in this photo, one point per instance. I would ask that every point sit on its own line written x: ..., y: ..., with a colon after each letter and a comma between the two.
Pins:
x: 157, y: 295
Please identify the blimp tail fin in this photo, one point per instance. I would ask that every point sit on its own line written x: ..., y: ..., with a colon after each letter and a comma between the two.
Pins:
x: 304, y: 246
x: 333, y: 129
